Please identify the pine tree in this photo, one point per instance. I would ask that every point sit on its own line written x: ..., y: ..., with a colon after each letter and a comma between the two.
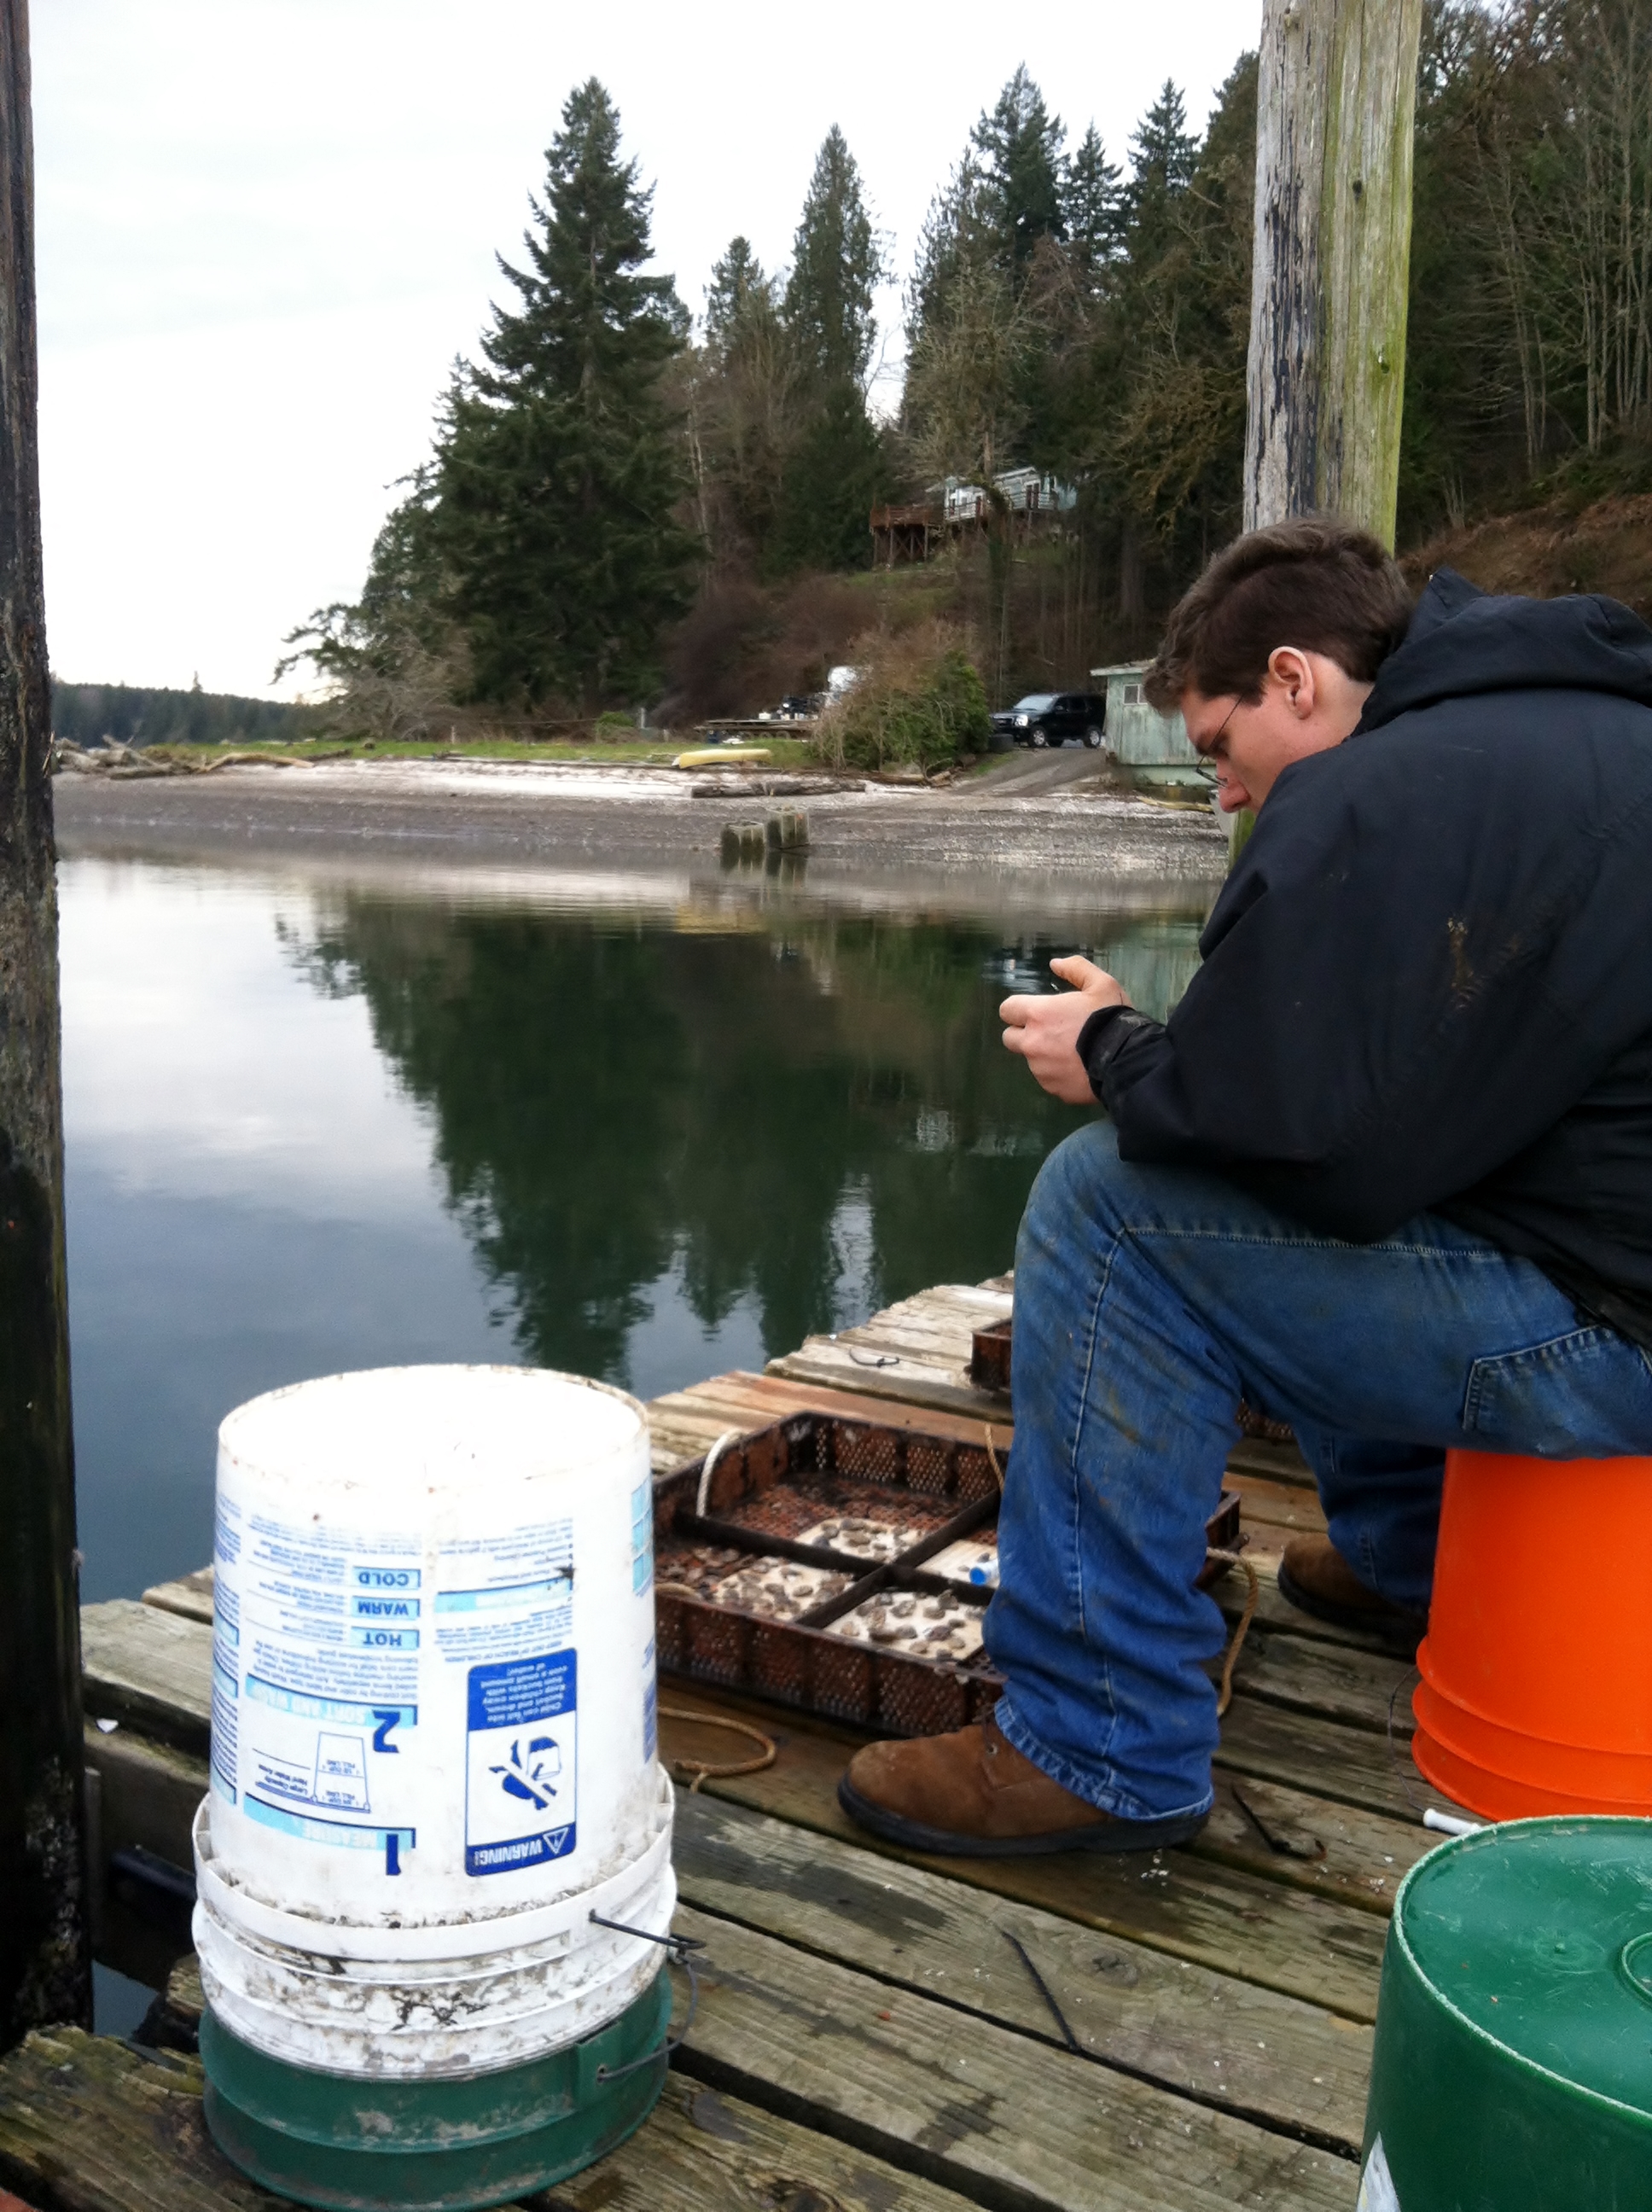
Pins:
x: 1186, y: 294
x: 1092, y: 208
x: 835, y: 468
x: 743, y: 393
x: 557, y: 472
x: 959, y: 231
x: 1163, y: 152
x: 1019, y: 145
x: 837, y: 263
x: 835, y: 474
x: 737, y: 292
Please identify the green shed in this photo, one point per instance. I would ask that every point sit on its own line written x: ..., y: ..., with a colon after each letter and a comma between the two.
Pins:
x: 1153, y: 748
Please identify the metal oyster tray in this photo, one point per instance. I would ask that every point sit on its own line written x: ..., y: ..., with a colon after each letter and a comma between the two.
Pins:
x: 796, y: 1570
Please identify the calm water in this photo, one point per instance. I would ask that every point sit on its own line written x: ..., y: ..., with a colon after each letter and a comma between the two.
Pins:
x: 639, y: 1127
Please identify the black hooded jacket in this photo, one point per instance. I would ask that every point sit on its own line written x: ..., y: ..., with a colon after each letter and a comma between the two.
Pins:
x: 1427, y: 986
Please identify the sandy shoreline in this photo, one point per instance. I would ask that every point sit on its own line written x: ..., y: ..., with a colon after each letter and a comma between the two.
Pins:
x: 536, y: 815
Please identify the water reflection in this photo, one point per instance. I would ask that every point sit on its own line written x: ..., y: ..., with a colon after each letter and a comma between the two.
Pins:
x: 760, y: 1103
x: 643, y: 1129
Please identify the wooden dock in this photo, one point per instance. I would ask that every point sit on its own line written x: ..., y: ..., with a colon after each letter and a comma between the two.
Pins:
x: 877, y: 2032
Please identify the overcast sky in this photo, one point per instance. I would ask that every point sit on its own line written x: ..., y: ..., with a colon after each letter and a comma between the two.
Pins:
x: 265, y: 228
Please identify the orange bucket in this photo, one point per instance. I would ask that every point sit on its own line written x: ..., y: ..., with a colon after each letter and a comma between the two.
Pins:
x: 1536, y: 1694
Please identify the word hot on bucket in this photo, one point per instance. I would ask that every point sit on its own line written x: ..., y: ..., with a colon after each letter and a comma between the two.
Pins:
x: 434, y: 1789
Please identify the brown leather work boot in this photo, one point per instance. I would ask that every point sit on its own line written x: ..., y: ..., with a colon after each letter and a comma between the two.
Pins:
x: 971, y: 1795
x: 1316, y: 1579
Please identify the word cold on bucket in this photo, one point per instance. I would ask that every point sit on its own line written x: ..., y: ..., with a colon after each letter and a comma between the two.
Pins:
x: 433, y: 1760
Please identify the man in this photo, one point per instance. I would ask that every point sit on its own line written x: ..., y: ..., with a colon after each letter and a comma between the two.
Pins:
x: 1385, y: 1174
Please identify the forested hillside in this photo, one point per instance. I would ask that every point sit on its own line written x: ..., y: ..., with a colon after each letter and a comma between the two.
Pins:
x: 90, y: 714
x: 626, y: 502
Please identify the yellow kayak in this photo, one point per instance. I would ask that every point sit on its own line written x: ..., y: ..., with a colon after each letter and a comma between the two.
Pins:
x: 716, y: 756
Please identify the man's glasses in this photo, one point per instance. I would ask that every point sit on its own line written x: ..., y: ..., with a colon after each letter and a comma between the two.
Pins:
x: 1207, y: 764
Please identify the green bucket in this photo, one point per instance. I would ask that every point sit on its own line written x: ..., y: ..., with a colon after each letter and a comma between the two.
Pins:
x: 1513, y: 2066
x: 351, y: 2143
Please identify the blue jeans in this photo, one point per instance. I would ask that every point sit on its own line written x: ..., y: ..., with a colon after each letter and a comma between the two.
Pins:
x: 1148, y: 1302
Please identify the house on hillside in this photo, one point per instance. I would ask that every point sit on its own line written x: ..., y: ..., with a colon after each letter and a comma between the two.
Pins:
x: 955, y: 509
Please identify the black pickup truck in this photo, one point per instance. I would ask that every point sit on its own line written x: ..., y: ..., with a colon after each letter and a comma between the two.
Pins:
x: 1050, y: 718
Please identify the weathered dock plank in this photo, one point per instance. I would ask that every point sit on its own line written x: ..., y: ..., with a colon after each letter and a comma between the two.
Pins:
x: 1347, y: 1765
x: 1361, y: 1689
x: 1274, y: 1610
x: 970, y: 2104
x: 1229, y: 2044
x: 834, y: 1364
x: 91, y: 2124
x: 1324, y: 1950
x: 148, y: 1791
x: 1341, y: 1852
x: 705, y: 2152
x: 1291, y: 1507
x: 190, y: 1595
x: 148, y: 1668
x: 760, y: 1399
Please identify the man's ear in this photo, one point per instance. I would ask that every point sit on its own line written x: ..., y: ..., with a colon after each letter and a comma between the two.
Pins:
x: 1293, y: 671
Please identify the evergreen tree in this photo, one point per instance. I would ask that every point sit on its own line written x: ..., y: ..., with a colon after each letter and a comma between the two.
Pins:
x: 1163, y: 154
x: 742, y: 406
x: 737, y: 293
x: 1092, y: 211
x: 835, y: 470
x: 959, y: 231
x: 1019, y: 145
x: 989, y: 267
x: 836, y: 473
x: 837, y: 264
x: 1177, y: 443
x: 557, y: 472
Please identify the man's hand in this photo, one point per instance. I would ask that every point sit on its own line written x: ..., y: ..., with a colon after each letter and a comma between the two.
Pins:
x: 1045, y: 1031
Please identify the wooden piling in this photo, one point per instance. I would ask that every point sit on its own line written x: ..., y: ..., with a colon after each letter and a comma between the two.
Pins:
x: 44, y: 1968
x: 1336, y: 106
x: 1336, y: 103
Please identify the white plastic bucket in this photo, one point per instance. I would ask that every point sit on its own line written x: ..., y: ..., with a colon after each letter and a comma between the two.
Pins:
x: 434, y: 1731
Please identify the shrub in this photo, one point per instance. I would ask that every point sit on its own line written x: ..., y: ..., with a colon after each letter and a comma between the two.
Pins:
x: 919, y: 702
x: 612, y: 724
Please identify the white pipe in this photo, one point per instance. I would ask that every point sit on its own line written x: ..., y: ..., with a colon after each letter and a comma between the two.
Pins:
x: 1448, y: 1824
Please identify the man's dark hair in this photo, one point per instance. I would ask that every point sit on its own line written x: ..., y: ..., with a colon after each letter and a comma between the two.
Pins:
x: 1319, y: 584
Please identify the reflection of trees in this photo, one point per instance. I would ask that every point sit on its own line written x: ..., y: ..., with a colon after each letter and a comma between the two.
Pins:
x: 607, y: 1097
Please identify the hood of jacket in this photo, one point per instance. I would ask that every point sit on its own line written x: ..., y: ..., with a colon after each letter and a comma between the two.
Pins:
x: 1462, y: 640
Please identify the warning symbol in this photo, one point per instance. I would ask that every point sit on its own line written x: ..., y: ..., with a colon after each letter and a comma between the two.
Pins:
x: 532, y: 1771
x: 521, y: 1773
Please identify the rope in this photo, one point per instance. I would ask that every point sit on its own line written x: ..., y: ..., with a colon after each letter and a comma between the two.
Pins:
x: 702, y: 1495
x: 706, y: 1770
x: 1237, y: 1643
x: 993, y: 1456
x: 1399, y: 1765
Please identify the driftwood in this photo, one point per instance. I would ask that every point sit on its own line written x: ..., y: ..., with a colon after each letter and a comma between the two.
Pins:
x: 116, y: 761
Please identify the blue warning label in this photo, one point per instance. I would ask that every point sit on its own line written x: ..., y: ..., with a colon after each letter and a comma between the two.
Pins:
x: 521, y: 1766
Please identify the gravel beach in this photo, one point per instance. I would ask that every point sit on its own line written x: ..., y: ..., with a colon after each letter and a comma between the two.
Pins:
x: 1049, y: 821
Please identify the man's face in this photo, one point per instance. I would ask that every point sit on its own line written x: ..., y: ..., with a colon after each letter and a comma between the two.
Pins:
x: 1308, y: 705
